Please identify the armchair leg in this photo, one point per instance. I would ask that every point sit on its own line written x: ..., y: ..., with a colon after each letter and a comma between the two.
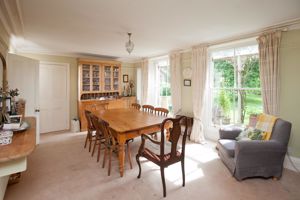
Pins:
x: 183, y: 172
x: 162, y: 173
x: 139, y: 164
x: 275, y: 178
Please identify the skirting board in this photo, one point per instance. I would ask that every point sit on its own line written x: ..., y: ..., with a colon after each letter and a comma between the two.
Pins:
x: 287, y: 163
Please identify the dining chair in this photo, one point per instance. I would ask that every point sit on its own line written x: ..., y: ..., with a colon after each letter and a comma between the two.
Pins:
x: 90, y: 130
x: 99, y: 137
x: 161, y: 111
x: 110, y: 143
x: 136, y: 106
x: 167, y: 153
x: 148, y: 108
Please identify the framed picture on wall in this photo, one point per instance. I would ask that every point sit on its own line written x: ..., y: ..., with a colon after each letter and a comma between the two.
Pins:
x: 187, y: 82
x: 125, y: 78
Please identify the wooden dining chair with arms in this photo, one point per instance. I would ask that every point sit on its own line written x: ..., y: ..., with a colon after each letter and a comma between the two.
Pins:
x: 148, y: 108
x: 167, y: 153
x: 110, y: 144
x: 161, y: 111
x: 136, y: 106
x: 91, y: 136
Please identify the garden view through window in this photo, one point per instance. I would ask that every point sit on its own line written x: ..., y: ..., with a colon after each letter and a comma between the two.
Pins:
x: 235, y: 85
x: 163, y: 72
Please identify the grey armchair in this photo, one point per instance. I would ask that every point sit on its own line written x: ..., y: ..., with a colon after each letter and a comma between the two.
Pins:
x: 257, y: 158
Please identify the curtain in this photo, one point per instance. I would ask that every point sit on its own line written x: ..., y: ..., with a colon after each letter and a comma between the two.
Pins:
x: 153, y: 84
x: 199, y: 78
x: 175, y: 82
x: 144, y: 81
x: 269, y: 71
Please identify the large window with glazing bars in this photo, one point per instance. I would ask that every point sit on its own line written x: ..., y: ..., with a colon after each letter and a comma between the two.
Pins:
x: 235, y: 85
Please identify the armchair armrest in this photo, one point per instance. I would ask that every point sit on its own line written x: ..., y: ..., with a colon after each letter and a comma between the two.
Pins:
x: 144, y: 136
x: 229, y: 133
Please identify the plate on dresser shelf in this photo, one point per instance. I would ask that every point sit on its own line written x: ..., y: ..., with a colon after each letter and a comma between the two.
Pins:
x: 24, y: 126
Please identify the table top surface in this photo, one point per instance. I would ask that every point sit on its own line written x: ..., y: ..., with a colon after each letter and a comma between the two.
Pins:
x: 129, y: 119
x: 23, y: 143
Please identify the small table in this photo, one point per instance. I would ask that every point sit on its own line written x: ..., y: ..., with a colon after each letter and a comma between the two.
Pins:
x: 190, y: 122
x: 128, y: 123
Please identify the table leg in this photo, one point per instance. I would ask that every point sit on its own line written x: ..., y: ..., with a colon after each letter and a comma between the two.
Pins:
x: 121, y: 141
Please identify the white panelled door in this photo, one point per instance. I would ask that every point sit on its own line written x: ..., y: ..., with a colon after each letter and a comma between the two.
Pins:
x: 54, y: 97
x: 23, y: 73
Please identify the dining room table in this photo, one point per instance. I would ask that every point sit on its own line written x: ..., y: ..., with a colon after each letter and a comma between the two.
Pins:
x: 129, y: 123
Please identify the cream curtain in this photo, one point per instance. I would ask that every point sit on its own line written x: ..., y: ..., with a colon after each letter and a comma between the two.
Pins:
x: 199, y: 78
x: 145, y: 69
x: 175, y: 82
x: 269, y: 71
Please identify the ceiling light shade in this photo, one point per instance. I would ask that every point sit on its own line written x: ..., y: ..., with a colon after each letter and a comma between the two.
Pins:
x: 129, y: 45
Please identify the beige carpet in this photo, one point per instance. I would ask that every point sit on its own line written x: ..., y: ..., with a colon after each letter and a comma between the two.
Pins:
x: 60, y: 168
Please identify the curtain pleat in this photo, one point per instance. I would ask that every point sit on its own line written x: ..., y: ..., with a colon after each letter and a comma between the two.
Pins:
x: 269, y: 71
x: 199, y: 81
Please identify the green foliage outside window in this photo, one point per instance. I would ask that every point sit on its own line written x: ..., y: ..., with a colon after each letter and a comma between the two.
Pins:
x: 225, y: 77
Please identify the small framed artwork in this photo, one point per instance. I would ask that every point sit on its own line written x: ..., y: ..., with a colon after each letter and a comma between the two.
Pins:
x: 125, y: 78
x: 187, y: 82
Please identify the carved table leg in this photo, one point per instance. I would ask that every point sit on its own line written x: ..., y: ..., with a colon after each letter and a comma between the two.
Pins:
x: 121, y: 141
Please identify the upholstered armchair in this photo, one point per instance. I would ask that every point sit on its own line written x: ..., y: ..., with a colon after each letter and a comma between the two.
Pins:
x: 255, y: 158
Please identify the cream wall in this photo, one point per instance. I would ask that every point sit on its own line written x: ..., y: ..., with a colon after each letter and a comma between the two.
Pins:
x: 73, y: 76
x: 289, y: 86
x: 186, y: 97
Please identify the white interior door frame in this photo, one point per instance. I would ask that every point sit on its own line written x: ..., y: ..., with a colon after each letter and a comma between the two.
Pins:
x: 67, y: 65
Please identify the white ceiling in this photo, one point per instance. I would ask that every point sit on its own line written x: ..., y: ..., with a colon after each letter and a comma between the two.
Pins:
x: 99, y: 27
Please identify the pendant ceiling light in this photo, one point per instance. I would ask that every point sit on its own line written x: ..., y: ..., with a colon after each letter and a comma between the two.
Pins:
x: 129, y: 45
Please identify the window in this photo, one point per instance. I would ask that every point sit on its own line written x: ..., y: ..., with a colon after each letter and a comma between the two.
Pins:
x: 159, y: 85
x: 235, y: 85
x: 163, y: 74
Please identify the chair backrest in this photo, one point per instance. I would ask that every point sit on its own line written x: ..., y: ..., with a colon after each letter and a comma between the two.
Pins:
x: 102, y: 127
x: 281, y: 131
x: 175, y: 133
x: 148, y: 108
x: 88, y: 119
x: 161, y: 111
x: 136, y: 106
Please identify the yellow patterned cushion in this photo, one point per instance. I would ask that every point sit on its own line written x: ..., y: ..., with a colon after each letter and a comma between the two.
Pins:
x: 265, y: 123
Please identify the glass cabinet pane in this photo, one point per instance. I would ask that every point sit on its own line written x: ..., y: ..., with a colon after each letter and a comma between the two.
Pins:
x: 116, y: 77
x: 96, y: 77
x: 86, y: 77
x: 107, y: 78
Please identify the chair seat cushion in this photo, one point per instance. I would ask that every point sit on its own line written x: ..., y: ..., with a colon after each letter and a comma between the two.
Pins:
x: 226, y: 147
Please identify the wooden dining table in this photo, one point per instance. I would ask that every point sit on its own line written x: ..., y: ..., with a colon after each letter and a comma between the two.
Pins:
x: 129, y: 123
